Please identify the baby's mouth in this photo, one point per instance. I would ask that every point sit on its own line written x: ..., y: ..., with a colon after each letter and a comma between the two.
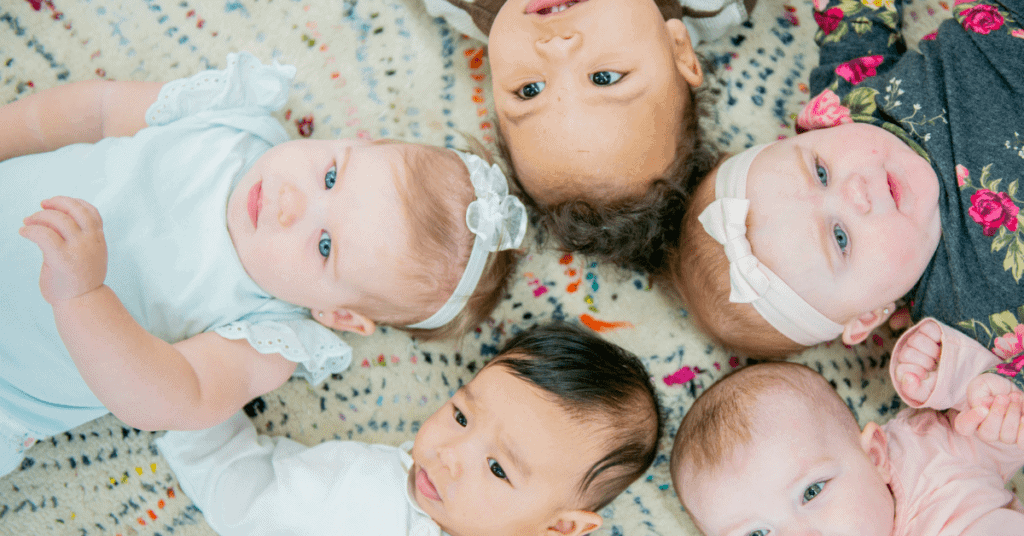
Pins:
x: 548, y: 7
x: 894, y: 190
x: 425, y: 486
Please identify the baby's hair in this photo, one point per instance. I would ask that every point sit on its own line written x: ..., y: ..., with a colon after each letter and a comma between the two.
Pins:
x: 721, y: 420
x: 436, y: 211
x: 639, y: 230
x: 697, y: 273
x: 599, y: 383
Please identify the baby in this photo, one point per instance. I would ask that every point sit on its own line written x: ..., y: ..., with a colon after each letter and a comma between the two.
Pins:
x: 772, y: 450
x: 906, y: 189
x: 597, y: 105
x: 544, y: 436
x: 224, y: 238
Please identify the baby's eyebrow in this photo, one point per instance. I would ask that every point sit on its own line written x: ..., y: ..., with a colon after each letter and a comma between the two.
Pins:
x: 508, y: 447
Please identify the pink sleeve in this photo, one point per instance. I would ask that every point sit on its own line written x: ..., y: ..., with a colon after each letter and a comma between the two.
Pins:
x: 999, y: 522
x: 961, y: 359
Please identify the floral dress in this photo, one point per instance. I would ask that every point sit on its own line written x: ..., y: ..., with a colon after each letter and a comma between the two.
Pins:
x: 958, y: 103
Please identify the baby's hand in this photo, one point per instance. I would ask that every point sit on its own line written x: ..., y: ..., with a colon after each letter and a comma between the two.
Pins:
x: 918, y: 362
x: 70, y: 234
x: 994, y: 411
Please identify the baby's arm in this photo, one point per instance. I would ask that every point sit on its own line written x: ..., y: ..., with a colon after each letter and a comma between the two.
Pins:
x: 143, y: 380
x: 933, y: 363
x: 82, y: 112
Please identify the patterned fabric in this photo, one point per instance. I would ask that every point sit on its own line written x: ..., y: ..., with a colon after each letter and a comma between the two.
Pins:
x: 958, y: 104
x: 386, y: 69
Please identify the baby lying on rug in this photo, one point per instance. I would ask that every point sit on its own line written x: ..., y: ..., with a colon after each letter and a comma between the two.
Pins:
x: 772, y: 449
x: 597, y: 105
x: 546, y: 434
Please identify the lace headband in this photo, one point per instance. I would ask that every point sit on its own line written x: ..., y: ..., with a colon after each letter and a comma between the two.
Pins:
x: 499, y: 222
x: 725, y: 219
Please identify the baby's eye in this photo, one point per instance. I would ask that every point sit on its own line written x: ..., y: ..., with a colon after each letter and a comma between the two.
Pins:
x: 813, y: 491
x: 530, y: 90
x: 496, y: 469
x: 460, y: 418
x: 841, y: 238
x: 822, y: 174
x: 330, y: 177
x: 758, y: 533
x: 325, y: 244
x: 605, y: 78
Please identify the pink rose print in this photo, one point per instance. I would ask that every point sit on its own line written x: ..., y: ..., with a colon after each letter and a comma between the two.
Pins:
x: 993, y: 210
x: 1012, y: 368
x: 829, y: 20
x: 931, y: 36
x: 958, y: 2
x: 1010, y: 345
x: 962, y: 175
x: 820, y: 4
x: 982, y: 19
x: 1019, y: 33
x: 858, y: 69
x: 823, y: 111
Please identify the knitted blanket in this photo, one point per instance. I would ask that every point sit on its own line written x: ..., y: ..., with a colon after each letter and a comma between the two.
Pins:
x: 386, y: 69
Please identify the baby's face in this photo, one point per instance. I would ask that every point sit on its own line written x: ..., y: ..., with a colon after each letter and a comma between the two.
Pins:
x: 798, y: 475
x: 589, y: 97
x: 499, y: 458
x: 314, y: 221
x: 847, y: 216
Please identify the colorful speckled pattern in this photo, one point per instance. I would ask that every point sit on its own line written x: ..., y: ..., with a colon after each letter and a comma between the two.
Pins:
x: 383, y: 68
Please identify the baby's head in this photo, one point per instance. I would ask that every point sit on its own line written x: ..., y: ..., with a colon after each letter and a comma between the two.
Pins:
x: 594, y: 102
x: 842, y: 223
x: 772, y: 449
x: 545, y: 435
x: 365, y: 233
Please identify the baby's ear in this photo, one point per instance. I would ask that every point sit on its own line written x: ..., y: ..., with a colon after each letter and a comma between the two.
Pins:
x: 574, y: 523
x: 874, y: 443
x: 346, y: 320
x: 686, y: 58
x: 859, y: 328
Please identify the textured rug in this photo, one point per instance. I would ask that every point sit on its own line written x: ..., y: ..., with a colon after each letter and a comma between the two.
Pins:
x: 384, y: 68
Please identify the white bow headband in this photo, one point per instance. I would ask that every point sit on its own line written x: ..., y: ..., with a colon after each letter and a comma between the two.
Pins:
x: 499, y: 222
x: 725, y: 219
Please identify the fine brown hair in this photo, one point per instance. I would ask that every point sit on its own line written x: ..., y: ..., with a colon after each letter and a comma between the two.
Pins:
x: 436, y: 212
x: 722, y: 419
x: 696, y: 273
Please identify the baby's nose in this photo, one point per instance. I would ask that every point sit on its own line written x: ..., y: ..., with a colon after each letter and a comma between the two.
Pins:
x: 856, y: 193
x: 291, y: 204
x: 560, y: 45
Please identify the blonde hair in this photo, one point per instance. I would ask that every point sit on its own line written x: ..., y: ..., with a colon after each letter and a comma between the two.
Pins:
x: 721, y: 420
x: 435, y: 209
x: 697, y: 274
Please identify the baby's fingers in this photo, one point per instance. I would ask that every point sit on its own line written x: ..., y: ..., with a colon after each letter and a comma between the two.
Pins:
x: 48, y: 240
x: 991, y: 428
x: 81, y: 211
x: 967, y: 422
x: 922, y: 351
x: 932, y: 331
x: 60, y: 222
x: 1010, y: 429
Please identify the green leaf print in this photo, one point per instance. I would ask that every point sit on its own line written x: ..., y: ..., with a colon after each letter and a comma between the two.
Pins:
x: 1011, y: 190
x: 861, y: 25
x: 861, y: 101
x: 1002, y: 323
x: 1014, y: 261
x: 888, y: 18
x: 1002, y: 239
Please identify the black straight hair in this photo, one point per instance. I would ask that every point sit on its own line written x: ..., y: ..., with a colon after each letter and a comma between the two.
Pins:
x: 598, y: 382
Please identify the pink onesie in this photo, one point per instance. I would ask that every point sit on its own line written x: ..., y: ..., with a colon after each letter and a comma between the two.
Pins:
x: 944, y: 483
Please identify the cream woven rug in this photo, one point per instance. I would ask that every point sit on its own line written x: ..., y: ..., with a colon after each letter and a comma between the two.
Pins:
x: 383, y: 68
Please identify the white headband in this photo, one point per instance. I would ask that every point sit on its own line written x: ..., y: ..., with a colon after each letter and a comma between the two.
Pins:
x: 725, y: 219
x: 499, y: 222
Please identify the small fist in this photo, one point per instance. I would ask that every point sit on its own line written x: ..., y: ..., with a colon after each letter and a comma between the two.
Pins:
x: 995, y: 411
x: 917, y: 363
x: 69, y: 232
